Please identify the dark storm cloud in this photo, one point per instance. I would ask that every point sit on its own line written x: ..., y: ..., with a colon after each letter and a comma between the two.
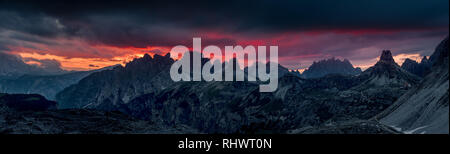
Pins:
x: 171, y: 23
x: 36, y: 24
x: 265, y: 13
x: 29, y: 38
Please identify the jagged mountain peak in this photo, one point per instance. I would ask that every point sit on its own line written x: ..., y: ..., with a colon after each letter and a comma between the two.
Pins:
x: 167, y: 55
x: 420, y: 69
x: 386, y: 71
x: 386, y: 60
x: 424, y: 67
x: 424, y: 59
x: 330, y: 66
x: 157, y: 56
x: 409, y: 62
x: 140, y: 76
x: 147, y: 56
x: 386, y: 57
x: 147, y: 61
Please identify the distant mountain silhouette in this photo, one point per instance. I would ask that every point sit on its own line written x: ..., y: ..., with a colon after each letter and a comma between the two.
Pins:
x: 330, y: 66
x: 296, y: 73
x: 46, y: 85
x: 109, y: 88
x: 12, y: 67
x: 420, y: 69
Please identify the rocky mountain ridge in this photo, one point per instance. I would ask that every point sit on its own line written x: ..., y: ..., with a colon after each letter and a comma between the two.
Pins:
x: 330, y: 104
x: 108, y: 88
x: 238, y: 107
x: 330, y: 66
x: 420, y: 69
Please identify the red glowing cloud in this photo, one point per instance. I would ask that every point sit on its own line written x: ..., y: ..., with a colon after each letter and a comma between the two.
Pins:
x: 297, y: 49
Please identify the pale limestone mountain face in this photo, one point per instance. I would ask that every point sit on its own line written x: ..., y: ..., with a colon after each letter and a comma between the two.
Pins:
x: 424, y: 108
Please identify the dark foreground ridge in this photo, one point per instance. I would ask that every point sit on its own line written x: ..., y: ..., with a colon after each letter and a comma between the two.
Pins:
x: 33, y: 114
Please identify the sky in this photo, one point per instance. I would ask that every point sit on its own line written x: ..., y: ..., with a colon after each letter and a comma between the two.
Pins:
x: 84, y: 35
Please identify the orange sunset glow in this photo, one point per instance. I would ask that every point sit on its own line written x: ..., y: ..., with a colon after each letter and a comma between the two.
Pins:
x: 86, y: 63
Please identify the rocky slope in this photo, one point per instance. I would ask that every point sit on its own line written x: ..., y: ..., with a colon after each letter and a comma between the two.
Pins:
x: 330, y: 66
x: 106, y: 89
x: 424, y: 108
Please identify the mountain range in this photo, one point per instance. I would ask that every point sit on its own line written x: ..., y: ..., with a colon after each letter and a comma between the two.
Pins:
x: 12, y: 67
x: 47, y: 85
x: 330, y: 66
x: 238, y: 107
x: 108, y: 88
x: 420, y: 69
x: 384, y: 98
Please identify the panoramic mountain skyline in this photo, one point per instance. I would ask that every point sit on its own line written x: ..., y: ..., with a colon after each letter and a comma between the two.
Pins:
x: 87, y: 36
x: 334, y: 67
